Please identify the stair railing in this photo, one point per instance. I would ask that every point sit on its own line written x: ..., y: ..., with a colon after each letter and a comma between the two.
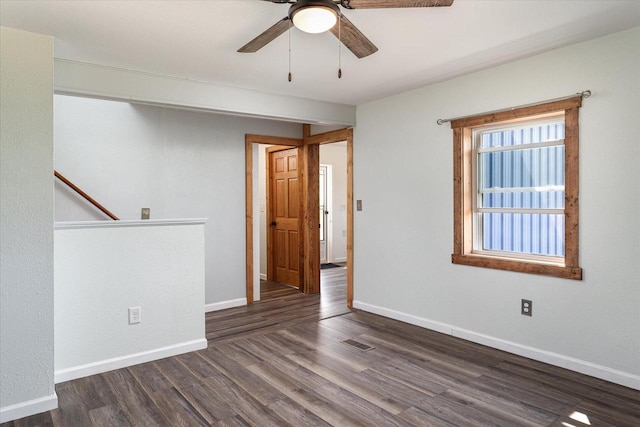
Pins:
x: 85, y: 195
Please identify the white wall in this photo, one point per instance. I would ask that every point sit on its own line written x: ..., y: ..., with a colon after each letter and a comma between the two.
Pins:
x: 70, y: 204
x: 404, y: 235
x: 262, y: 206
x: 336, y: 156
x: 26, y: 229
x: 181, y: 164
x: 97, y: 81
x: 102, y: 269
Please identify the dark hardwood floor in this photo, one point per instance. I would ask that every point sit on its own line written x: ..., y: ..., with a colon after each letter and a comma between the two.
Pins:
x: 284, y: 361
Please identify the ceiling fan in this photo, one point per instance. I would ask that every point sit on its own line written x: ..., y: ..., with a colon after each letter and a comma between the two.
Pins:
x: 317, y: 16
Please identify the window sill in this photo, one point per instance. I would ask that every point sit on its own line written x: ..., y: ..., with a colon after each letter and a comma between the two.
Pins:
x: 530, y: 267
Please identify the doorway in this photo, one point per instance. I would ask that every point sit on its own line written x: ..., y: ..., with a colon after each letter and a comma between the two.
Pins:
x: 334, y: 157
x: 309, y: 168
x: 326, y: 210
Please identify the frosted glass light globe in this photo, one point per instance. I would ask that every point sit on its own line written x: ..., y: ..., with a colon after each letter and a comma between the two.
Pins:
x: 315, y: 19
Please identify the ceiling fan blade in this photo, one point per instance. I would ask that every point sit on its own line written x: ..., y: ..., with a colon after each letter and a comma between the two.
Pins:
x: 388, y: 4
x: 266, y: 37
x: 353, y: 39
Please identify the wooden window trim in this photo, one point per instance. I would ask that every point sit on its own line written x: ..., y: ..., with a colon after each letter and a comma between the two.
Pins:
x: 462, y: 190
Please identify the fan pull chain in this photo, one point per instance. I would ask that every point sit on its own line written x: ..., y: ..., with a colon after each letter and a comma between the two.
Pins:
x: 339, y: 47
x: 289, y: 50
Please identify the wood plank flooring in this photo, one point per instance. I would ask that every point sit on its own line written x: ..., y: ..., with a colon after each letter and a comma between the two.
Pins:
x: 283, y: 361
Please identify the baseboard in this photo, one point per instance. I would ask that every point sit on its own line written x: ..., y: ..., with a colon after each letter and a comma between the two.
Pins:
x: 263, y: 276
x: 28, y: 408
x: 81, y: 371
x: 603, y: 372
x: 225, y: 304
x: 341, y: 259
x: 404, y: 317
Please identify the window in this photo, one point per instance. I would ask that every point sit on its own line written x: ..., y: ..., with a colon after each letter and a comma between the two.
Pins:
x: 519, y: 190
x: 516, y: 189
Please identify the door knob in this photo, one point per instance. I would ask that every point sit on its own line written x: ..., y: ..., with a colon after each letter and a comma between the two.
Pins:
x: 273, y: 223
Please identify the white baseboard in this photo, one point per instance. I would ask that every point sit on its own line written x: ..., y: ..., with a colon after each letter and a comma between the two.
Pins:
x: 340, y: 259
x: 263, y: 276
x: 404, y: 317
x: 81, y: 371
x: 28, y: 408
x: 225, y: 304
x: 603, y: 372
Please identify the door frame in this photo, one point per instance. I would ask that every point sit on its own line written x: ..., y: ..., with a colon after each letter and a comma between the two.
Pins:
x: 309, y: 163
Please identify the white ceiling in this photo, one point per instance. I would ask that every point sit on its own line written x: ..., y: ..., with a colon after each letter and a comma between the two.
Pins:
x: 198, y: 40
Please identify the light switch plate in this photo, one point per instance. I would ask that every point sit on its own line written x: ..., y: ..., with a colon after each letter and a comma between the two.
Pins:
x: 358, y: 205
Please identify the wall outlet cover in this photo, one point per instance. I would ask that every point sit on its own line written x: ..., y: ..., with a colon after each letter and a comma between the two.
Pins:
x: 135, y: 315
x: 526, y: 307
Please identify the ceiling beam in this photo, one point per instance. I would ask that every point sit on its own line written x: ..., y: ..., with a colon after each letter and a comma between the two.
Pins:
x: 98, y: 81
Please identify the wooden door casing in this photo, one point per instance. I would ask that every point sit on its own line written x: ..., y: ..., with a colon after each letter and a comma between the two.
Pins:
x: 308, y: 165
x: 284, y: 206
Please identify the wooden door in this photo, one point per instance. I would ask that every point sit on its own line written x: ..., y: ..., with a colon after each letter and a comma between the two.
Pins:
x: 285, y: 207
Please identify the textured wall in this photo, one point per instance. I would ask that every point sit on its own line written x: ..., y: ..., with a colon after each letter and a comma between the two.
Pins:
x: 100, y: 272
x: 26, y: 217
x: 403, y: 174
x: 181, y: 164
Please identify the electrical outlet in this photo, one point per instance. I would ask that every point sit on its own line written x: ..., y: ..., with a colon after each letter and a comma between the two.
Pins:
x: 526, y: 307
x: 145, y: 213
x: 135, y: 315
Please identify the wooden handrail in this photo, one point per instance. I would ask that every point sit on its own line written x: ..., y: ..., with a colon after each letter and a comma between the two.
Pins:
x: 85, y: 195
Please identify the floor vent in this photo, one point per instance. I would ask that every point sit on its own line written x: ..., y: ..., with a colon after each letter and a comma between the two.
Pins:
x: 358, y: 345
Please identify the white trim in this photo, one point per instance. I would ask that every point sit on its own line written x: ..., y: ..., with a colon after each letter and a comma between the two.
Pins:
x: 71, y: 225
x: 539, y: 189
x: 404, y: 317
x: 263, y: 276
x: 524, y: 211
x: 225, y: 304
x: 93, y: 368
x: 340, y: 259
x: 531, y: 145
x: 28, y: 408
x: 582, y: 366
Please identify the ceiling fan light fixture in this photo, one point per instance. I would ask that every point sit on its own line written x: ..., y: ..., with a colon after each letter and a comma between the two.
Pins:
x: 314, y: 16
